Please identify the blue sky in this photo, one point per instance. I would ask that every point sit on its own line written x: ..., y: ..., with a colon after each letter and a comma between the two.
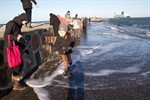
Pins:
x: 85, y: 8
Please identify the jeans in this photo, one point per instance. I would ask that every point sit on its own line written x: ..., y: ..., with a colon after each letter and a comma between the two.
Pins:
x: 29, y: 14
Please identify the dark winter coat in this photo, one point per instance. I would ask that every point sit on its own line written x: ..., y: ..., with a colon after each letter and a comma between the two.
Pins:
x: 13, y: 28
x: 64, y: 44
x: 27, y: 4
x: 55, y: 22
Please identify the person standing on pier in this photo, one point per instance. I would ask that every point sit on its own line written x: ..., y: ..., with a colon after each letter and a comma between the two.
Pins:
x: 27, y: 6
x: 68, y: 17
x: 54, y: 21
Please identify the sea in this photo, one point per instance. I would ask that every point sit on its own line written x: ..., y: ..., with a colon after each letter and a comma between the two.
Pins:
x: 112, y: 54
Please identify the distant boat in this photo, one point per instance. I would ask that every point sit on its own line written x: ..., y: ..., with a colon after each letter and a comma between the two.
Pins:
x: 122, y: 15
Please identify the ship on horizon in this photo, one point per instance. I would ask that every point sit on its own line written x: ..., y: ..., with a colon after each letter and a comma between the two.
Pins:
x: 122, y: 15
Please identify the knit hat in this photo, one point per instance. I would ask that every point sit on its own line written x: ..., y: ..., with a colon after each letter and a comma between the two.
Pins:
x: 62, y: 29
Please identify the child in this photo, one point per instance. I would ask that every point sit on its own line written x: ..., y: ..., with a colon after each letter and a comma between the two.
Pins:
x: 64, y: 44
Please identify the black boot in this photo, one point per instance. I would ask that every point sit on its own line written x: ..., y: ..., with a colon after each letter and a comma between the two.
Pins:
x: 18, y: 85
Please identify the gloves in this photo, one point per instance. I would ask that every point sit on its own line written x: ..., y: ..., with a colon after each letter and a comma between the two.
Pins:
x: 22, y: 41
x: 72, y: 44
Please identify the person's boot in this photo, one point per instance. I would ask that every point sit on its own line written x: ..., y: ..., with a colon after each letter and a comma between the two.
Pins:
x: 18, y: 85
x: 29, y: 25
x: 17, y: 78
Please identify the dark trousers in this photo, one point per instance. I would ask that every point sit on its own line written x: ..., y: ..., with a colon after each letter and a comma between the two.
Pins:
x: 29, y: 14
x: 17, y: 70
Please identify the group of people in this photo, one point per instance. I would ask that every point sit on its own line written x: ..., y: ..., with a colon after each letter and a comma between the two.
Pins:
x: 66, y: 33
x: 62, y: 39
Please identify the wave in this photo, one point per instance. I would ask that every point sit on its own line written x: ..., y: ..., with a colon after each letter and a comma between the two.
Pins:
x: 46, y: 79
x: 42, y: 93
x: 120, y: 36
x: 146, y: 73
x: 86, y: 50
x: 110, y: 71
x: 112, y: 28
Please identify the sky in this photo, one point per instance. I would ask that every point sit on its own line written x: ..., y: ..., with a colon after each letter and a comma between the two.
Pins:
x: 84, y: 8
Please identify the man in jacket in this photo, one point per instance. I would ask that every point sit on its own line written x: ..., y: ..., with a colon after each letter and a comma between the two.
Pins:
x: 55, y: 22
x: 13, y: 28
x: 68, y: 17
x: 27, y: 6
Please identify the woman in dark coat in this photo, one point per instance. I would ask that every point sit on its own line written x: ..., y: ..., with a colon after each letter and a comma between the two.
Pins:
x: 27, y: 6
x: 13, y: 28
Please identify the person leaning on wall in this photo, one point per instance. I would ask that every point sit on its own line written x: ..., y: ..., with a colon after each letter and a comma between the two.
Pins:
x: 13, y: 28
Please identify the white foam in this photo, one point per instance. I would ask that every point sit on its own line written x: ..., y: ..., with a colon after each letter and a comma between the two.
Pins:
x: 146, y: 73
x: 86, y: 50
x: 112, y: 28
x: 46, y: 80
x: 148, y: 34
x: 106, y: 72
x: 42, y: 93
x: 119, y: 35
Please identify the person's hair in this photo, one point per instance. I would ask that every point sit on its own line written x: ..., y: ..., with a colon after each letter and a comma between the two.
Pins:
x: 68, y: 11
x: 50, y: 14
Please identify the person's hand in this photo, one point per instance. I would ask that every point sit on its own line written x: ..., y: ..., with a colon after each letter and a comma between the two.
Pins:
x: 22, y: 41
